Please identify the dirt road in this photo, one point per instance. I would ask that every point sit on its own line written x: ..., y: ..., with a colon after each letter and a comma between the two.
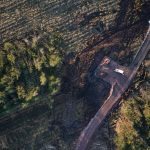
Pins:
x: 119, y: 85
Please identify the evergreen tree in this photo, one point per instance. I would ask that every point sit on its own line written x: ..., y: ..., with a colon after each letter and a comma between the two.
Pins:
x: 29, y: 68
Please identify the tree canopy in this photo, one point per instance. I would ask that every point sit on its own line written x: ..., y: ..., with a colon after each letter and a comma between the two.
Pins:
x: 29, y: 68
x: 133, y: 125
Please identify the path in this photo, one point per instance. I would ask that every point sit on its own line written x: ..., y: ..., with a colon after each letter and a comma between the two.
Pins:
x: 119, y: 81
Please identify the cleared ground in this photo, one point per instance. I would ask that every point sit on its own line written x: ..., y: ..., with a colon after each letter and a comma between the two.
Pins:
x: 81, y: 23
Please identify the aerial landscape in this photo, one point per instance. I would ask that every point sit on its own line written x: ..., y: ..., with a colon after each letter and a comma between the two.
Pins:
x: 74, y: 74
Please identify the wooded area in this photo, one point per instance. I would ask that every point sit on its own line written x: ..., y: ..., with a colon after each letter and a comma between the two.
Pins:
x: 29, y: 68
x: 133, y: 123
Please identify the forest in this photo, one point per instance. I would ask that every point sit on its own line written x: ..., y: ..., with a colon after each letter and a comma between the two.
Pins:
x: 132, y: 124
x: 29, y: 69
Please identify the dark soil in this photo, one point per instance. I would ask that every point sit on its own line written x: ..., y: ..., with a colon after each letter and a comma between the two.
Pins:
x: 41, y: 128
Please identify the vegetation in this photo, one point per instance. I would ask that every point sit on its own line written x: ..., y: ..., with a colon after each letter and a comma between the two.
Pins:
x: 133, y: 124
x: 29, y: 68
